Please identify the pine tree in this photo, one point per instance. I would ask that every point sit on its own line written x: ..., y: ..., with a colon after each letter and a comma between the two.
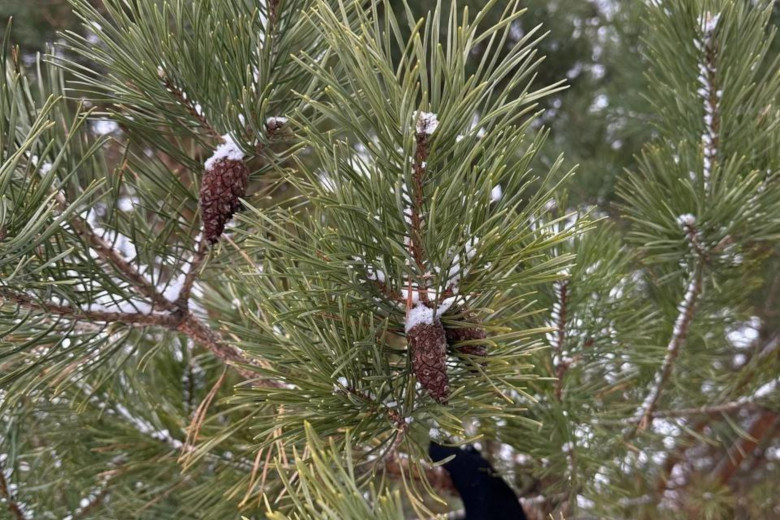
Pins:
x: 256, y: 256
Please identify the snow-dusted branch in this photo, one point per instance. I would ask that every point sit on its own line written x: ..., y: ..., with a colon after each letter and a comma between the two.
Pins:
x: 644, y: 415
x: 74, y: 313
x: 709, y: 93
x: 732, y: 406
x: 113, y: 258
x: 186, y: 323
x: 686, y: 309
x: 178, y: 318
x: 89, y: 503
x: 561, y: 365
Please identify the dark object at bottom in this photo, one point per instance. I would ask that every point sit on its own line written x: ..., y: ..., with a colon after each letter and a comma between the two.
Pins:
x: 484, y: 493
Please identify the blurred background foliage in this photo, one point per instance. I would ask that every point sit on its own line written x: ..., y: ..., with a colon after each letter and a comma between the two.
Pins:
x: 600, y: 122
x: 594, y: 45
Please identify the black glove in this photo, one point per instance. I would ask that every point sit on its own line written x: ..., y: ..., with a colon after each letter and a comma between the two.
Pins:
x: 484, y: 493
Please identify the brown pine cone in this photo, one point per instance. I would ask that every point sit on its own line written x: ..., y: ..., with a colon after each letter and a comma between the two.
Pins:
x: 428, y: 345
x: 224, y: 182
x: 457, y: 334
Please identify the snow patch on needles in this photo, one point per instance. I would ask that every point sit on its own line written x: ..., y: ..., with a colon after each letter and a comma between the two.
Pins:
x: 426, y: 122
x: 496, y: 193
x: 460, y: 263
x: 445, y: 305
x: 709, y: 22
x: 228, y: 150
x: 686, y: 220
x: 767, y: 389
x: 279, y: 121
x: 104, y: 126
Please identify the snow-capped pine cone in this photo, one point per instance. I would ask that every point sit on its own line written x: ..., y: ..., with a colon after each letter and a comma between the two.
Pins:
x: 428, y: 345
x: 223, y: 184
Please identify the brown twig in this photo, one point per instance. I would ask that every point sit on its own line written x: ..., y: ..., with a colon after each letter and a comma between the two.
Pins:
x: 418, y: 198
x: 11, y: 504
x: 201, y: 252
x: 202, y: 334
x: 762, y: 424
x: 436, y: 476
x: 187, y: 103
x: 273, y: 12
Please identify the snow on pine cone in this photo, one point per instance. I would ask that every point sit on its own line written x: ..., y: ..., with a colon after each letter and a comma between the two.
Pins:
x: 224, y: 182
x: 428, y: 344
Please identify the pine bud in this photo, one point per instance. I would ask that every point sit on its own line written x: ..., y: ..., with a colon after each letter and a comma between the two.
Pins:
x: 224, y: 182
x: 428, y: 345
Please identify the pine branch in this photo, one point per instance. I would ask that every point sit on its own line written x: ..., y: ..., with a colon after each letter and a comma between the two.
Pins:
x: 644, y: 415
x: 179, y: 318
x: 186, y: 323
x: 76, y: 314
x: 11, y: 504
x: 111, y: 256
x: 686, y: 311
